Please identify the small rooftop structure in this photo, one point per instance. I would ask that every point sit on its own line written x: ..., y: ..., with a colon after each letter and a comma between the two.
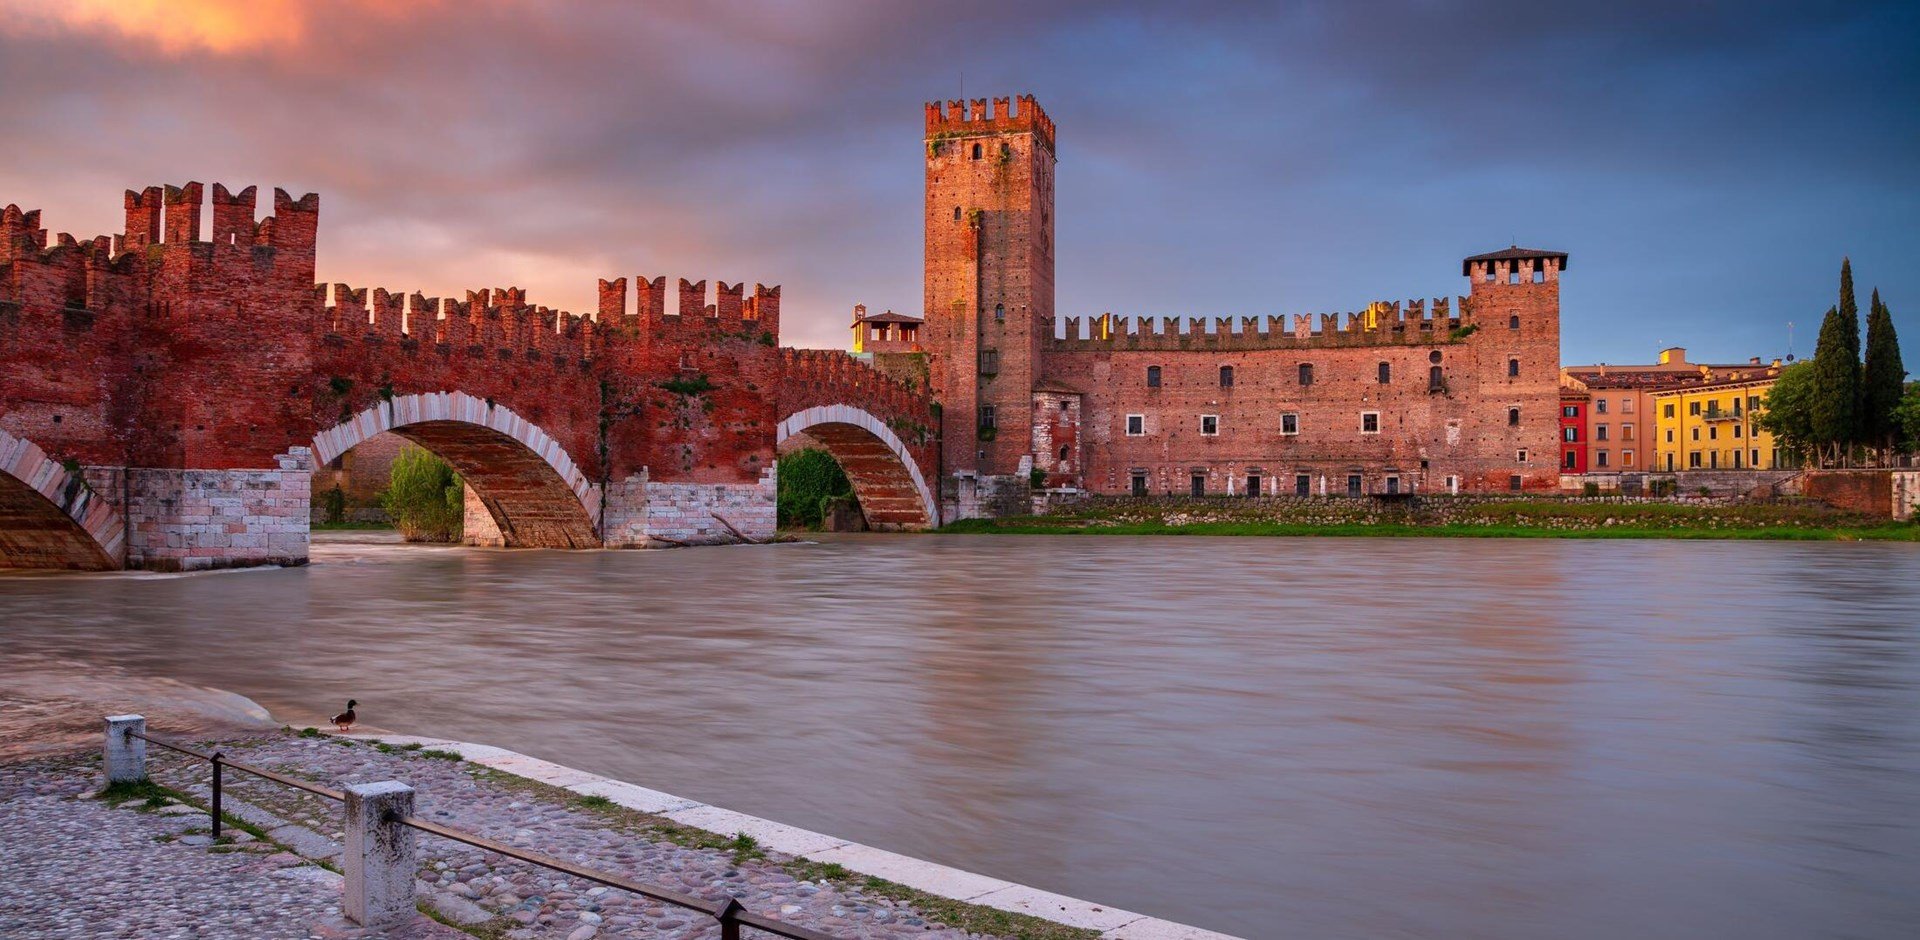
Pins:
x: 885, y: 332
x: 1513, y: 253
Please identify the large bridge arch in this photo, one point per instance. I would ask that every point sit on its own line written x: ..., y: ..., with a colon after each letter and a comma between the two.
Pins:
x: 50, y: 518
x: 537, y: 496
x: 885, y: 477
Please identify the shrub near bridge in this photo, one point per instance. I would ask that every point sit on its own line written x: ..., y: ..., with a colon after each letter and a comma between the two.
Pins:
x: 808, y: 480
x: 425, y: 497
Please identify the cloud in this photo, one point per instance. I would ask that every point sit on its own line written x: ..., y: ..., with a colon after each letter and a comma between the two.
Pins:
x: 179, y: 27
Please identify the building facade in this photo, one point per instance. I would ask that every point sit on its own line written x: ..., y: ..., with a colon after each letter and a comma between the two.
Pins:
x: 1710, y: 425
x: 1573, y: 430
x: 1457, y: 395
x: 1629, y: 427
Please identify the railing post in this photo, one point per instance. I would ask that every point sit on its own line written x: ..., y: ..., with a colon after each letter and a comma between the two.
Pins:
x: 379, y: 858
x: 216, y: 796
x: 729, y: 927
x: 126, y: 755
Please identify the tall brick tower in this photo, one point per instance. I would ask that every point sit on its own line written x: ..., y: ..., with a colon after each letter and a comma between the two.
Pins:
x: 1515, y: 299
x: 989, y: 274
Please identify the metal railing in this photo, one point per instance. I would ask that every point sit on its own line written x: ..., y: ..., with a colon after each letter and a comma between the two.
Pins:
x: 730, y: 914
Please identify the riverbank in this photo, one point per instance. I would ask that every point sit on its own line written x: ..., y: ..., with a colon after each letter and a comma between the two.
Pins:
x: 1455, y: 517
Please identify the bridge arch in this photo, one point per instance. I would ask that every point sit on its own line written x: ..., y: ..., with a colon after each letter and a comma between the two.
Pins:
x: 50, y: 518
x: 885, y: 477
x: 527, y: 482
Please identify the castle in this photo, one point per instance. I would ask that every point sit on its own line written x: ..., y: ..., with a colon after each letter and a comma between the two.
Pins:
x: 1452, y: 396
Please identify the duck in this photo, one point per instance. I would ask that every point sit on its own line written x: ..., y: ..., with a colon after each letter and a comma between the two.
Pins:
x: 344, y: 720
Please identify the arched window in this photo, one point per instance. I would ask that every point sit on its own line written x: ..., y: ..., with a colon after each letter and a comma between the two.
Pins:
x: 1226, y: 376
x: 1306, y: 373
x: 999, y: 311
x: 1513, y: 322
x: 1513, y: 417
x: 1153, y: 376
x: 976, y: 151
x: 1064, y: 451
x: 1436, y: 379
x: 1386, y: 373
x: 1006, y: 152
x: 1513, y: 368
x: 956, y: 213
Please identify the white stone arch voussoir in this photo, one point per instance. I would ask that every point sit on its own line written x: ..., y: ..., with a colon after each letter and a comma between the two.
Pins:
x: 403, y: 410
x: 25, y: 461
x: 799, y: 421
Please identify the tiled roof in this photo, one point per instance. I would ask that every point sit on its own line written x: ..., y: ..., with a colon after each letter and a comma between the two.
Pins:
x: 1514, y: 253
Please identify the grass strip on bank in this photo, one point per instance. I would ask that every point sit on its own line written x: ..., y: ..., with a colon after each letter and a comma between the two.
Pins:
x: 1892, y: 533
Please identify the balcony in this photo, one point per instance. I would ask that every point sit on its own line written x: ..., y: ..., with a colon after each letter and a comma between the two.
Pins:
x: 1716, y: 414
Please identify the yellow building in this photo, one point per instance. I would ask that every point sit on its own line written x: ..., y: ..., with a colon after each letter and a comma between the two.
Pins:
x: 1709, y: 425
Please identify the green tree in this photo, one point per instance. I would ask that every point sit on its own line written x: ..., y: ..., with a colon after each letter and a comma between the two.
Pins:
x: 1906, y: 418
x: 1836, y: 366
x: 1882, y: 380
x: 807, y: 480
x: 424, y: 497
x: 1788, y: 412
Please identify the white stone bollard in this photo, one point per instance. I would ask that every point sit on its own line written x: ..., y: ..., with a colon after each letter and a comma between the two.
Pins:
x: 126, y: 755
x: 380, y: 861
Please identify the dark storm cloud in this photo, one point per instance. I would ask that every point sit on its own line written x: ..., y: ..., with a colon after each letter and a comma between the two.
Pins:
x: 1706, y: 164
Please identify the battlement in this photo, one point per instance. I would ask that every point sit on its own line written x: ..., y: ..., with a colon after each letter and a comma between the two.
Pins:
x: 497, y: 319
x: 733, y: 312
x: 962, y: 118
x: 1386, y: 323
x: 830, y: 374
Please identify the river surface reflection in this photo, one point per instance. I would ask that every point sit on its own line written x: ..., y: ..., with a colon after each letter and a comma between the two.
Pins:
x: 1270, y: 737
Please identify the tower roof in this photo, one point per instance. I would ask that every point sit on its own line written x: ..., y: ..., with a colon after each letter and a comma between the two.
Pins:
x: 1513, y: 253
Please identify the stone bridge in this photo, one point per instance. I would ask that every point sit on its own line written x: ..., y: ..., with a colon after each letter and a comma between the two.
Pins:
x: 167, y: 392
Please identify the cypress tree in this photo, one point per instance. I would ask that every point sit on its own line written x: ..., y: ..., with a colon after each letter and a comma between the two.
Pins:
x: 1836, y: 369
x: 1882, y: 381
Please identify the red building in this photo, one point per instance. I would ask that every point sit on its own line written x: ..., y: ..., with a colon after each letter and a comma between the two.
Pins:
x: 1573, y: 431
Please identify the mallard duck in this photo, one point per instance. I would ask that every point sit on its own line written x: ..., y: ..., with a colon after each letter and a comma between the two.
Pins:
x: 344, y: 720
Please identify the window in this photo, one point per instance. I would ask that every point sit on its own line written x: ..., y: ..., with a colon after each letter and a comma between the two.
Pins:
x: 1393, y: 485
x: 1755, y: 463
x: 1736, y: 430
x: 976, y: 151
x: 1513, y: 417
x: 1153, y: 376
x: 1302, y: 484
x: 1520, y: 456
x: 1693, y: 407
x: 1626, y: 431
x: 1226, y: 376
x: 1433, y: 356
x: 1513, y: 483
x: 1626, y: 405
x: 1668, y: 410
x: 1353, y: 484
x: 1513, y: 368
x: 1139, y: 484
x: 1696, y: 434
x: 1209, y: 425
x: 1289, y: 423
x: 1306, y: 373
x: 1369, y: 422
x: 1713, y: 460
x: 1573, y: 460
x: 999, y: 313
x: 1453, y: 484
x: 1669, y: 435
x: 1570, y: 435
x: 1136, y: 425
x: 1600, y: 458
x: 1436, y: 380
x: 1599, y: 406
x: 986, y: 418
x: 1513, y: 322
x: 1253, y: 484
x: 1199, y: 484
x: 1569, y: 411
x: 989, y: 361
x: 1753, y: 403
x: 1713, y: 433
x: 1386, y: 373
x: 1693, y: 459
x: 956, y: 213
x: 1064, y: 451
x: 1005, y: 151
x: 1626, y: 458
x: 1736, y: 460
x: 1599, y: 432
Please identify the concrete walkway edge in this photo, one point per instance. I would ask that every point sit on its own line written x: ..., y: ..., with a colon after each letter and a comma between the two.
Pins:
x: 933, y: 878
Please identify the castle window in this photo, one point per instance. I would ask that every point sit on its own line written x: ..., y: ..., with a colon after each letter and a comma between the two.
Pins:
x: 1306, y: 373
x: 1353, y: 484
x: 1513, y: 368
x: 999, y: 313
x: 1006, y: 152
x: 1199, y: 484
x: 1303, y: 484
x: 1513, y: 483
x: 1386, y: 373
x: 1369, y: 422
x: 1513, y: 417
x: 1253, y: 484
x: 956, y: 213
x: 976, y: 151
x: 1436, y: 379
x: 987, y: 418
x: 1289, y: 423
x: 1226, y: 376
x: 1393, y: 486
x: 1153, y: 376
x: 989, y: 361
x: 1513, y: 322
x: 1209, y: 425
x: 1139, y: 484
x: 1136, y: 425
x: 1520, y: 456
x: 1433, y: 356
x: 1064, y: 450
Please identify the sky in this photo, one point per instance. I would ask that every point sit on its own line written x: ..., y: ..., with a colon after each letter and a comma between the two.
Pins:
x: 1706, y: 165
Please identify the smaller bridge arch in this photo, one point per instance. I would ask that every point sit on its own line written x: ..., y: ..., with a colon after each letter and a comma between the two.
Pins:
x: 50, y: 518
x: 538, y: 497
x: 886, y: 479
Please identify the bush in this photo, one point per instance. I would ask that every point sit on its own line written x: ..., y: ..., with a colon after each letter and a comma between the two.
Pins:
x: 425, y: 497
x: 808, y: 479
x: 1590, y: 489
x: 333, y: 505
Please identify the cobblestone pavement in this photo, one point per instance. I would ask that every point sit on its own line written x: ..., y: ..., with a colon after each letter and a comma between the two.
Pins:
x: 504, y: 897
x: 75, y: 867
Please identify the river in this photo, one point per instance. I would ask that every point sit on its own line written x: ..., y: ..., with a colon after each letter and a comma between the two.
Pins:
x: 1269, y: 737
